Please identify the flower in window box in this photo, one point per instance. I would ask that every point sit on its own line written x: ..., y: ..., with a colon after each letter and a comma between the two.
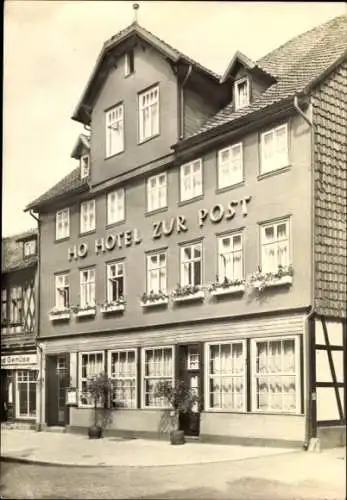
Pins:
x: 261, y: 280
x: 226, y: 283
x: 185, y: 291
x: 80, y: 309
x: 115, y: 305
x: 154, y: 297
x: 59, y: 312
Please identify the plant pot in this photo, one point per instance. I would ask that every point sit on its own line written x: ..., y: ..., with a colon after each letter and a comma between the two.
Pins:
x: 177, y: 437
x: 95, y: 432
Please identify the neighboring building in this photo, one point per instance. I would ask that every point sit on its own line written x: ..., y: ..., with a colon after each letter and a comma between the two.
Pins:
x: 19, y: 368
x: 223, y: 201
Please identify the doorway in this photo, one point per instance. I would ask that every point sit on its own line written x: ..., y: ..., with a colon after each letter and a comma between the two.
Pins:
x: 57, y: 381
x: 190, y: 372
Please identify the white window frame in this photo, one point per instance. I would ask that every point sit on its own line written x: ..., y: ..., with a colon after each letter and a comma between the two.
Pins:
x: 114, y: 130
x: 117, y: 265
x: 28, y: 382
x: 153, y: 192
x: 85, y: 165
x: 238, y: 103
x: 208, y: 376
x: 154, y: 121
x: 276, y: 242
x: 296, y: 374
x: 64, y: 231
x: 124, y: 377
x: 221, y: 272
x: 144, y: 377
x: 191, y: 263
x: 88, y: 283
x: 156, y: 268
x: 29, y: 248
x: 115, y: 206
x: 278, y: 160
x: 80, y: 379
x: 230, y: 178
x: 127, y: 66
x: 62, y: 283
x: 87, y: 225
x: 195, y: 189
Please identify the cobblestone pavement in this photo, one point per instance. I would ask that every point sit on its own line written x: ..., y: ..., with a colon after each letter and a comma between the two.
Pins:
x: 292, y: 476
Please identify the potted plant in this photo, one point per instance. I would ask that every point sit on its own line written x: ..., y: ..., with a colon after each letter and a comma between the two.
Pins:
x: 181, y: 399
x: 99, y: 389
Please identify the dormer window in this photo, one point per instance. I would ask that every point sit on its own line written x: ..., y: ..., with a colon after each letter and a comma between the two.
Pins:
x: 129, y: 63
x: 29, y: 248
x: 241, y: 93
x: 84, y: 162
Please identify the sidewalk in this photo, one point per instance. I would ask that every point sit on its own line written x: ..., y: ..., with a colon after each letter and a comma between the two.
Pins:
x: 75, y: 449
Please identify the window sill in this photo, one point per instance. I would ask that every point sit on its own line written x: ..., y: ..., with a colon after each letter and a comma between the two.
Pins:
x: 63, y: 316
x: 153, y: 303
x: 86, y: 313
x: 156, y: 211
x: 277, y: 171
x: 143, y: 141
x: 224, y: 189
x: 114, y: 224
x: 114, y: 155
x: 112, y: 308
x: 190, y: 200
x: 87, y: 233
x: 60, y: 240
x: 194, y: 296
x: 228, y: 290
x: 285, y: 280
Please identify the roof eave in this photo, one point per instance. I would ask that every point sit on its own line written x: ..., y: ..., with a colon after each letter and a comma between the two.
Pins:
x: 35, y: 207
x: 238, y: 56
x: 325, y: 73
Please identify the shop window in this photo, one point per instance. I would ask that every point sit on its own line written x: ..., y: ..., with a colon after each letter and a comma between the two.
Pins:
x: 87, y: 288
x: 230, y: 166
x: 274, y: 149
x: 191, y: 265
x: 16, y: 305
x: 115, y: 281
x: 191, y: 180
x: 26, y: 394
x: 149, y: 113
x: 62, y: 291
x: 274, y: 246
x: 62, y: 224
x: 123, y: 368
x: 156, y: 272
x: 275, y: 379
x: 226, y: 376
x: 157, y: 367
x: 230, y: 258
x: 90, y: 365
x: 157, y: 192
x: 114, y: 130
x: 87, y: 216
x: 116, y: 206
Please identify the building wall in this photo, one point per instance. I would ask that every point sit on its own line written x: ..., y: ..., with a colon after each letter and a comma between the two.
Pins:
x: 330, y: 153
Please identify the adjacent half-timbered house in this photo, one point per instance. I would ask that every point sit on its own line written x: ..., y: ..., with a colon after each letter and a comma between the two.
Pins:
x: 202, y: 237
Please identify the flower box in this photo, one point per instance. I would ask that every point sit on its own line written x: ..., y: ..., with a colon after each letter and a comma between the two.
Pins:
x: 153, y: 303
x: 84, y: 313
x: 59, y: 315
x: 228, y: 290
x: 110, y: 308
x: 283, y: 280
x: 192, y: 296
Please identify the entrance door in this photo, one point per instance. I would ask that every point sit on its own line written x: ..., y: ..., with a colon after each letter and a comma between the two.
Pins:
x: 57, y: 380
x: 189, y: 370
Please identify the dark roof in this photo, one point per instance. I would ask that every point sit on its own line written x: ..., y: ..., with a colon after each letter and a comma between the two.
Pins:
x: 83, y: 142
x: 12, y: 258
x: 135, y: 29
x: 296, y: 65
x: 70, y: 184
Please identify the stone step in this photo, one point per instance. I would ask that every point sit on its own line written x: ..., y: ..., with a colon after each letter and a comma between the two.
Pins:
x: 54, y: 428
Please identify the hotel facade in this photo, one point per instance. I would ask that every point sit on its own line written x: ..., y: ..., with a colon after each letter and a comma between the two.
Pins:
x: 202, y: 236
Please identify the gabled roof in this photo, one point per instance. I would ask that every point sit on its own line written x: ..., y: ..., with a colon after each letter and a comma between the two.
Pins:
x: 133, y: 29
x: 12, y: 258
x: 83, y: 142
x: 296, y: 65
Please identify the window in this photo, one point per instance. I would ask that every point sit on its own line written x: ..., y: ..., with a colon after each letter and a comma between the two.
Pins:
x: 191, y: 265
x: 226, y: 376
x: 191, y: 180
x: 230, y: 166
x: 149, y: 113
x: 115, y: 281
x: 29, y: 248
x: 123, y: 365
x: 115, y: 206
x: 90, y: 365
x: 274, y: 246
x: 4, y: 306
x: 241, y: 90
x: 156, y: 272
x: 158, y: 367
x: 274, y: 149
x: 62, y: 299
x: 26, y: 394
x: 275, y: 374
x: 230, y: 259
x: 84, y: 163
x: 87, y: 288
x: 157, y: 192
x: 115, y: 130
x: 129, y: 67
x: 16, y: 305
x: 87, y: 216
x: 62, y: 224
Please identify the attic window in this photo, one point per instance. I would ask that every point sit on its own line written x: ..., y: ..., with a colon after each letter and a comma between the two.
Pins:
x: 241, y: 93
x: 29, y: 248
x: 84, y: 161
x: 129, y: 63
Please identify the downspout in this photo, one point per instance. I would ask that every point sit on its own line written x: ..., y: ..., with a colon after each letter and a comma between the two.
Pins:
x: 37, y: 317
x: 182, y: 101
x: 310, y: 342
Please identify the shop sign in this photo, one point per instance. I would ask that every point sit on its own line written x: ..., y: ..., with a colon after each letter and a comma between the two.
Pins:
x: 18, y: 360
